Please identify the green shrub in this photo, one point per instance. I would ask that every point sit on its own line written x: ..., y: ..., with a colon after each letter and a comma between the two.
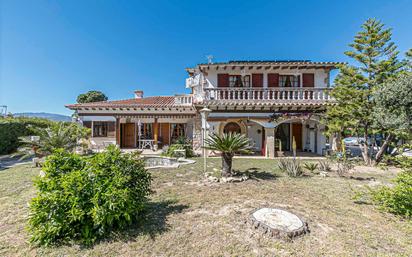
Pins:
x: 396, y: 199
x: 310, y: 166
x: 13, y: 128
x: 82, y: 199
x: 181, y: 143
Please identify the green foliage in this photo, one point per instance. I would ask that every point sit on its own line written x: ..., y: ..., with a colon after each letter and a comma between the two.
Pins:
x: 396, y: 199
x: 11, y: 129
x: 83, y: 199
x: 393, y: 110
x: 59, y: 135
x: 229, y: 143
x: 310, y: 166
x: 377, y: 62
x: 91, y: 96
x: 181, y: 143
x: 291, y: 167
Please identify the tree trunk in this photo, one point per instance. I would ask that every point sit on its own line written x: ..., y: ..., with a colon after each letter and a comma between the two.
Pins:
x: 384, y: 146
x: 227, y: 164
x: 364, y: 148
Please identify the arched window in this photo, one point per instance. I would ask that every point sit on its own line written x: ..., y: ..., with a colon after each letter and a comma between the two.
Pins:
x: 232, y: 127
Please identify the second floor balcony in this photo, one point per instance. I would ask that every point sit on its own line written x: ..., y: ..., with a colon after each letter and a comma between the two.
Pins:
x: 267, y: 94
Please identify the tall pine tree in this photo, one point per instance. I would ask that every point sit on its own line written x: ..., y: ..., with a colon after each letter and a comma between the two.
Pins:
x: 376, y: 59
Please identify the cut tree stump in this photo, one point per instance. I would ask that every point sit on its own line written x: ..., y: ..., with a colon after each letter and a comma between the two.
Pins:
x: 278, y: 223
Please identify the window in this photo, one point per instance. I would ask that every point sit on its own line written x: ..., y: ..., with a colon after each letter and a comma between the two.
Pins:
x: 99, y: 129
x: 246, y: 81
x: 178, y: 130
x: 239, y: 81
x: 146, y: 131
x: 235, y: 81
x: 289, y: 81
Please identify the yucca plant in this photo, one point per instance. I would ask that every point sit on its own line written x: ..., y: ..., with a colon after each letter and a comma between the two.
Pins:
x: 228, y: 145
x: 310, y: 166
x: 291, y: 167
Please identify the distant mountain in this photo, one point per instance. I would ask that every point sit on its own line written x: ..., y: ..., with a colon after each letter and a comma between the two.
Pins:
x: 45, y: 115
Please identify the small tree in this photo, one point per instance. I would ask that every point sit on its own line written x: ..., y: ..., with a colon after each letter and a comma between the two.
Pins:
x: 228, y: 145
x: 91, y: 96
x: 393, y: 111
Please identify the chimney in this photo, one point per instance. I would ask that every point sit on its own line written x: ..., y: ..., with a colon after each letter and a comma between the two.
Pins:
x: 138, y: 94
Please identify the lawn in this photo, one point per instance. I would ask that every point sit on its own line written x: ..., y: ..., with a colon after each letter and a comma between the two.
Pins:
x: 189, y: 217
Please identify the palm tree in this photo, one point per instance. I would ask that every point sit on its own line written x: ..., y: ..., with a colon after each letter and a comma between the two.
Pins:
x: 228, y: 145
x: 59, y: 135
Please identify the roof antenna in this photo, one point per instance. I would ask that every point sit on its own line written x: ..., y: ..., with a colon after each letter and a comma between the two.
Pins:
x: 209, y: 59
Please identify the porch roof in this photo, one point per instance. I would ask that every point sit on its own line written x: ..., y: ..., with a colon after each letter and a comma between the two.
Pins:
x: 154, y: 101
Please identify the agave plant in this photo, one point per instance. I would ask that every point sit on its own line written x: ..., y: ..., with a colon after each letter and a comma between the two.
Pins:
x: 325, y: 165
x: 228, y: 145
x: 59, y: 135
x: 292, y: 167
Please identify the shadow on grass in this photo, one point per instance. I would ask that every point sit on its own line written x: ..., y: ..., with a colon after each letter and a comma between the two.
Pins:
x: 258, y: 174
x: 152, y: 222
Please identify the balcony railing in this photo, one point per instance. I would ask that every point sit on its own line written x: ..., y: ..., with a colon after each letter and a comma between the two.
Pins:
x: 183, y: 99
x: 274, y: 94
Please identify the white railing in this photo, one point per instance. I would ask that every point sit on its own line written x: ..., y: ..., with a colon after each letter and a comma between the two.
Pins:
x: 283, y: 94
x: 183, y: 99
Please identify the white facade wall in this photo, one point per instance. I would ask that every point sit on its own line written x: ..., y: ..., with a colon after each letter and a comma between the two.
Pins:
x: 321, y: 75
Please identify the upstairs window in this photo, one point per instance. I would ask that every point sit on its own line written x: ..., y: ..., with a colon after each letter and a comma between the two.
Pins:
x: 239, y: 81
x: 289, y: 81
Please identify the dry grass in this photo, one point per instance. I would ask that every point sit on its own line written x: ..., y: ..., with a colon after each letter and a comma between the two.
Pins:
x: 187, y: 217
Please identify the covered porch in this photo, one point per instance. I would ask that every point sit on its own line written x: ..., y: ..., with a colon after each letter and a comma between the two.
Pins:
x: 274, y: 138
x: 145, y: 132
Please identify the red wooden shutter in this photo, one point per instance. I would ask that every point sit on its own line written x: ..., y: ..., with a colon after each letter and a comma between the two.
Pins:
x: 273, y: 80
x: 308, y: 80
x: 223, y: 80
x: 257, y: 80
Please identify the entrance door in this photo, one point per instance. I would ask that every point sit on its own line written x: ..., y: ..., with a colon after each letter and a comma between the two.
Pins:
x: 128, y: 135
x: 297, y: 133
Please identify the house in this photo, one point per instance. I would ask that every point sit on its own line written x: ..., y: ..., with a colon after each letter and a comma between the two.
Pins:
x: 272, y: 102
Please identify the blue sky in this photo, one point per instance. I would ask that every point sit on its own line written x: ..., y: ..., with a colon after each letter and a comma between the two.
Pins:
x: 50, y: 51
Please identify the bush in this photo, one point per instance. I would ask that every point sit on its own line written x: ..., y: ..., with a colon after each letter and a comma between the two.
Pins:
x: 82, y: 199
x: 181, y: 143
x: 292, y: 167
x: 344, y: 166
x: 13, y: 128
x: 396, y: 199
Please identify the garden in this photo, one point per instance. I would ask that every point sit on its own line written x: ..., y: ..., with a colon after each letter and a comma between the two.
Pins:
x: 74, y: 201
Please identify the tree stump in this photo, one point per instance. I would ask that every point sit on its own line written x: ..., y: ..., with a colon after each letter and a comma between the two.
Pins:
x: 278, y: 223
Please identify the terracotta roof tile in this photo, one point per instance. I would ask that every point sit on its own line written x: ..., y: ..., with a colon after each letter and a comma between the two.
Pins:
x: 154, y: 101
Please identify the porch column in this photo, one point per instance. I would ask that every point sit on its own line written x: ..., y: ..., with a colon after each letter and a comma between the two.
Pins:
x: 270, y: 142
x: 117, y: 126
x: 155, y: 133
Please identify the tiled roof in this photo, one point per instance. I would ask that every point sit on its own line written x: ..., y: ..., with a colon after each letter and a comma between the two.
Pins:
x: 154, y: 101
x: 271, y: 62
